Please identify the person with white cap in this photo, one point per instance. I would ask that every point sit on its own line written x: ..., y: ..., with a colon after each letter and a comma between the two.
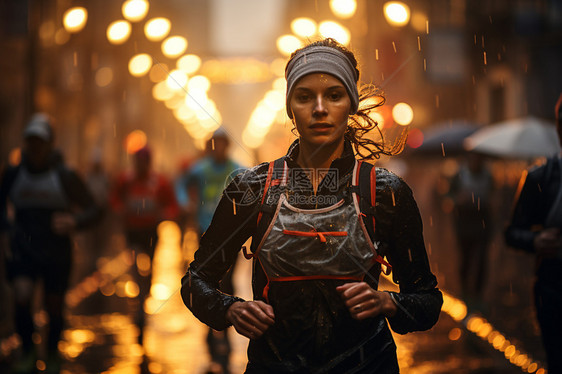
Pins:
x: 322, y: 222
x: 50, y: 202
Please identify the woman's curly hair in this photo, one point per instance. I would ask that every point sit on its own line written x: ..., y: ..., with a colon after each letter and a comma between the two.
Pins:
x: 361, y: 123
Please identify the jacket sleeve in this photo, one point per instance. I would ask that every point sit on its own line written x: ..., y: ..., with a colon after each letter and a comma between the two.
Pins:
x: 526, y: 213
x: 419, y: 300
x: 79, y: 195
x: 233, y: 223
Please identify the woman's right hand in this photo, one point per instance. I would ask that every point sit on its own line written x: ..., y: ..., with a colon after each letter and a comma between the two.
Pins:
x: 250, y: 318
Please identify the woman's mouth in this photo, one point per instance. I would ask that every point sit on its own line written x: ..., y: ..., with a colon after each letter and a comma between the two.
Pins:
x: 321, y: 127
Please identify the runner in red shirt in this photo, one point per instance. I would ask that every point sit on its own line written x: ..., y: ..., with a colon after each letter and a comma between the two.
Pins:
x: 144, y: 198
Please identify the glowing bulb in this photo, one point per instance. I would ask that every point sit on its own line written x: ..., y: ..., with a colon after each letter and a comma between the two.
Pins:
x: 157, y: 29
x: 174, y: 46
x: 140, y: 64
x: 303, y: 27
x: 118, y: 32
x: 75, y: 19
x: 397, y: 13
x: 135, y: 10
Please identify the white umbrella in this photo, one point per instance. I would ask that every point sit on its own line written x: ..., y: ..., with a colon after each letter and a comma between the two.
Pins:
x: 523, y: 138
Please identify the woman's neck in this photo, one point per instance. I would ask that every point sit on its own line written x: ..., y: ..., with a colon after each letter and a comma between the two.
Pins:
x: 312, y: 157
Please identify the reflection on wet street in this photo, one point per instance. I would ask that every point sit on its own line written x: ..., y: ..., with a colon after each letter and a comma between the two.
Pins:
x: 101, y: 338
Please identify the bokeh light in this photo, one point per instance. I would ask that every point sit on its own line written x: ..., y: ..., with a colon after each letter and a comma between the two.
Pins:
x: 158, y: 72
x: 118, y: 32
x: 140, y: 64
x: 162, y: 92
x: 402, y: 114
x: 134, y: 141
x: 14, y: 157
x: 74, y: 19
x: 343, y: 8
x: 189, y: 63
x: 199, y: 83
x: 397, y: 13
x: 174, y: 46
x: 134, y: 10
x: 415, y: 138
x: 104, y: 76
x: 177, y: 80
x: 157, y: 29
x: 304, y: 27
x: 332, y: 29
x: 287, y: 44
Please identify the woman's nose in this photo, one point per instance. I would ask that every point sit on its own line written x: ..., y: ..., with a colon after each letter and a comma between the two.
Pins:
x: 319, y: 106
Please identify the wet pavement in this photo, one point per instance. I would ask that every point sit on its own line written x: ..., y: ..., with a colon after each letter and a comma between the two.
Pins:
x: 101, y: 338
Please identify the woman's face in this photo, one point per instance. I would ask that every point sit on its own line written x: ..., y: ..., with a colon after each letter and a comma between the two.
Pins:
x: 320, y: 106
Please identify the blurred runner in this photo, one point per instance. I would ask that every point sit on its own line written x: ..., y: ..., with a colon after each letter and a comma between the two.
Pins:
x: 205, y: 182
x: 471, y: 191
x: 535, y: 227
x: 144, y: 198
x: 49, y: 202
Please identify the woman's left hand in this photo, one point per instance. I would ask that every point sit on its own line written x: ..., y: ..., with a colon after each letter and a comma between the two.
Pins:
x: 364, y: 302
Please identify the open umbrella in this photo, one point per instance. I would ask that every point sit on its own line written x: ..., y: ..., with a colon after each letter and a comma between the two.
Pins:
x: 445, y: 139
x: 521, y: 138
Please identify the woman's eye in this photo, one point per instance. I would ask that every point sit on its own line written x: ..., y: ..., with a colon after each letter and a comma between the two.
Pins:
x: 303, y: 97
x: 335, y: 96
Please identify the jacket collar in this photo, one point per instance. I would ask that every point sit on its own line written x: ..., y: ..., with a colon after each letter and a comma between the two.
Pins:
x: 344, y: 164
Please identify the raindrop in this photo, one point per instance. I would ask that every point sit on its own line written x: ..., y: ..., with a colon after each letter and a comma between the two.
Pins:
x: 410, y: 255
x: 376, y: 54
x: 419, y: 44
x: 424, y: 65
x: 485, y: 61
x: 223, y: 256
x: 394, y: 46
